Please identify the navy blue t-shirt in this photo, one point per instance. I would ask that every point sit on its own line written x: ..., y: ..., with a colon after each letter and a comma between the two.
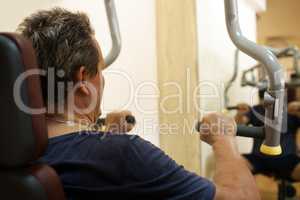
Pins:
x: 95, y: 165
x: 288, y: 141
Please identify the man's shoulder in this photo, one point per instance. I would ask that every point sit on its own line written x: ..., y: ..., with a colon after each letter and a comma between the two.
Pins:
x: 94, y: 135
x: 92, y: 145
x: 94, y: 139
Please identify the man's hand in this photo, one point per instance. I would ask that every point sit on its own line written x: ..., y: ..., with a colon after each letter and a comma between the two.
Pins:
x: 120, y: 122
x: 215, y: 127
x: 294, y: 108
x: 242, y: 110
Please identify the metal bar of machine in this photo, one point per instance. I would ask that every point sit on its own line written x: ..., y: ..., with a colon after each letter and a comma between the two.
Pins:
x: 274, y: 97
x: 114, y: 27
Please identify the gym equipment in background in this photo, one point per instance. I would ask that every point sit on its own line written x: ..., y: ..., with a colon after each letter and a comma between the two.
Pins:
x: 232, y: 79
x: 279, y: 53
x: 250, y: 76
x: 274, y: 97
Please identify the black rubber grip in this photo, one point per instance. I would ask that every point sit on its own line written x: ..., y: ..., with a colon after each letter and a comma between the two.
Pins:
x: 130, y: 119
x: 245, y: 131
x: 100, y: 122
x: 232, y: 108
x: 250, y: 131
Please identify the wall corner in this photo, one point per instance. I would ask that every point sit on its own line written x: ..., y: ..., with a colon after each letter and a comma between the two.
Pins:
x: 257, y: 5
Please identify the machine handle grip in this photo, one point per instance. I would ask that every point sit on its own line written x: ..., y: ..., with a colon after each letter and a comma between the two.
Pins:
x: 245, y: 131
x: 250, y: 131
x: 254, y: 132
x: 232, y: 108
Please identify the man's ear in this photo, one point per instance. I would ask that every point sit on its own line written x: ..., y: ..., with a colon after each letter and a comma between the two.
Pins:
x: 80, y: 78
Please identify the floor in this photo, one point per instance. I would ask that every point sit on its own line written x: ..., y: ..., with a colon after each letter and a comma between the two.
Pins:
x: 268, y: 187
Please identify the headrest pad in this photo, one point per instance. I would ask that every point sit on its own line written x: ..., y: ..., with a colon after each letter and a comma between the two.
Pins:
x: 23, y: 136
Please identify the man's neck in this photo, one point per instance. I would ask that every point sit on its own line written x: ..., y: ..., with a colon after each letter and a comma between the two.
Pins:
x: 63, y: 124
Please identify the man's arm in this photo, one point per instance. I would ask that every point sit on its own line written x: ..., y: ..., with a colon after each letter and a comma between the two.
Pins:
x: 233, y: 178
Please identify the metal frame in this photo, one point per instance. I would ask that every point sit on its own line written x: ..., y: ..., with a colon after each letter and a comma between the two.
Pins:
x: 274, y: 98
x: 114, y: 32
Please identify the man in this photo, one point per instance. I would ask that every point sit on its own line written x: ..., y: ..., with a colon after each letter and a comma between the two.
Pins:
x: 286, y: 165
x: 110, y: 166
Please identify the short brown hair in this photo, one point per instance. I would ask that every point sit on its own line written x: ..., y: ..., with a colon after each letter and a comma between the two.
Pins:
x: 62, y: 40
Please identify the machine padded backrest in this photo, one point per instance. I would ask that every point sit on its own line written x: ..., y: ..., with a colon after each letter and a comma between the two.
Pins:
x: 23, y: 136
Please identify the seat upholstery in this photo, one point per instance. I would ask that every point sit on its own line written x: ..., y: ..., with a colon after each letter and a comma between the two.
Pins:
x: 23, y: 135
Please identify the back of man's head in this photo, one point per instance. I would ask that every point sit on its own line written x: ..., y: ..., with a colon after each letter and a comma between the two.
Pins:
x: 64, y: 42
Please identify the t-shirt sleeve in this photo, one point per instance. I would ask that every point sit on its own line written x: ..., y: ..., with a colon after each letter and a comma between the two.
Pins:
x: 162, y: 177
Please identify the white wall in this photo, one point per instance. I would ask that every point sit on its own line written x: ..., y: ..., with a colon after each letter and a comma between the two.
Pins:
x: 137, y: 61
x: 216, y: 53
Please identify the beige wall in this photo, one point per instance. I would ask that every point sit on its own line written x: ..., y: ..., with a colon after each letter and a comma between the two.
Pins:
x: 177, y: 75
x: 280, y: 20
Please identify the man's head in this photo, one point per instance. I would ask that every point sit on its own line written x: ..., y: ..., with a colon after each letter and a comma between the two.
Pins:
x: 66, y: 48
